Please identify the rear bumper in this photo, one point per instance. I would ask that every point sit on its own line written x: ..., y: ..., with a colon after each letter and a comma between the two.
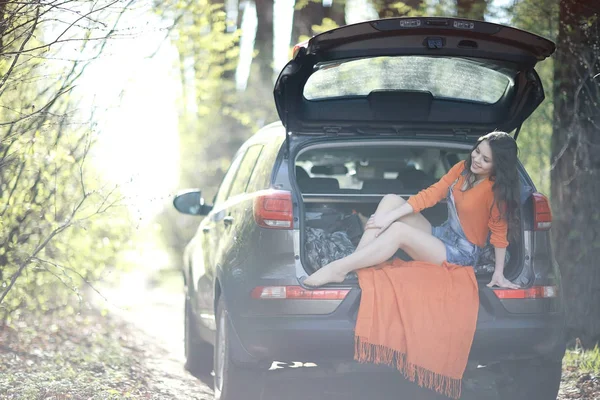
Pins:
x: 317, y: 340
x: 302, y: 339
x: 519, y: 337
x: 330, y: 338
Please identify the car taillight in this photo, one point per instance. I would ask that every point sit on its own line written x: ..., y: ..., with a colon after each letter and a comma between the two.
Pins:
x: 542, y: 213
x: 273, y: 209
x: 535, y: 292
x: 298, y: 293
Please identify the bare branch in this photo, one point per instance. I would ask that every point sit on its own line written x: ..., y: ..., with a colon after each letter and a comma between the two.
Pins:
x: 68, y: 223
x: 170, y: 29
x: 81, y: 178
x: 41, y: 110
x: 58, y: 38
x: 74, y: 271
x: 12, y: 190
x: 27, y: 22
x: 26, y: 262
x: 35, y: 23
x: 72, y: 288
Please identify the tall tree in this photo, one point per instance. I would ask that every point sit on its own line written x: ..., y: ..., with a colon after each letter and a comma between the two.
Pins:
x: 576, y: 164
x: 310, y: 14
x: 473, y: 9
x: 264, y: 40
x: 257, y: 97
x: 539, y: 17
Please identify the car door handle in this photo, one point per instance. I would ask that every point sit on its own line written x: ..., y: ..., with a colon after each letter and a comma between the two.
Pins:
x: 206, y: 229
x: 228, y: 220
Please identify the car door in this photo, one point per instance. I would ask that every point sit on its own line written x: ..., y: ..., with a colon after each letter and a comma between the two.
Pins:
x: 238, y: 211
x: 205, y: 249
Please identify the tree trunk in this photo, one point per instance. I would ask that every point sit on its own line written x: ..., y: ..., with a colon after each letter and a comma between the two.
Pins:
x: 313, y: 14
x: 257, y: 98
x: 264, y: 40
x: 576, y: 165
x: 473, y: 9
x: 389, y: 8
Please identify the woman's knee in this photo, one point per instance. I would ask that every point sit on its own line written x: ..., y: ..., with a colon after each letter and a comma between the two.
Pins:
x: 390, y: 201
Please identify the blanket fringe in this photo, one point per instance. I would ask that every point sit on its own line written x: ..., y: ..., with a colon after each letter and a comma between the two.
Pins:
x: 378, y: 354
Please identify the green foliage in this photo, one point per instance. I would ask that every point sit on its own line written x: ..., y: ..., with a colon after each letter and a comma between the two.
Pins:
x: 583, y: 360
x: 405, y: 9
x: 212, y: 123
x: 216, y: 116
x: 326, y: 25
x: 442, y: 8
x: 60, y: 224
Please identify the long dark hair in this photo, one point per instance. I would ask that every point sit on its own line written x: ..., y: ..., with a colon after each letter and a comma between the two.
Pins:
x: 505, y: 176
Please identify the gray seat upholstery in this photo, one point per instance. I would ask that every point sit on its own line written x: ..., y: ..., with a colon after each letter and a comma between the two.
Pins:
x: 301, y: 173
x: 382, y: 186
x: 414, y: 180
x: 319, y: 185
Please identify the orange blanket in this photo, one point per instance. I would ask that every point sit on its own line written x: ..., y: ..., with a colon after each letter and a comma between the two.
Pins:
x: 420, y: 318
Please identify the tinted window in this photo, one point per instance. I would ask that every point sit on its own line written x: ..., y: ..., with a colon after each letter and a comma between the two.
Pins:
x: 261, y: 177
x: 227, y: 180
x: 443, y: 77
x: 245, y: 171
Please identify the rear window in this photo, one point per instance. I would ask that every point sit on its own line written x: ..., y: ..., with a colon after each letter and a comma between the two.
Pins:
x: 372, y: 169
x: 451, y: 78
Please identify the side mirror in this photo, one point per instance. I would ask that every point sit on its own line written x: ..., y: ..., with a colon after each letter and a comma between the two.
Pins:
x: 191, y: 202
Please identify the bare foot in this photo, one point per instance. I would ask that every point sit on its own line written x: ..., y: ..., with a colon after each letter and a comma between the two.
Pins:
x: 327, y: 274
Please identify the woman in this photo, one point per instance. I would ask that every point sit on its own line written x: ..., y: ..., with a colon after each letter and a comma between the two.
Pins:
x: 483, y: 194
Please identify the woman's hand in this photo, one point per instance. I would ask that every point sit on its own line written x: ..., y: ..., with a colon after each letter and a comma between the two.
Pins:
x: 380, y: 221
x: 498, y: 279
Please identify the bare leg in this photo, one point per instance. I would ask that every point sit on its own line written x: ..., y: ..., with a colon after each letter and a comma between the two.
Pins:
x: 390, y: 202
x: 419, y: 245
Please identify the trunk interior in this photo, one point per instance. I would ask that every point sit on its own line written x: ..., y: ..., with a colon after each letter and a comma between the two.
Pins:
x: 342, y: 183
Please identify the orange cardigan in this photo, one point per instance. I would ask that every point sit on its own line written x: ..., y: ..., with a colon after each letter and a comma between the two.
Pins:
x: 473, y: 207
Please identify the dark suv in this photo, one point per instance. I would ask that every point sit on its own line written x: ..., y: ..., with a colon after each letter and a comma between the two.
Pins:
x: 379, y: 107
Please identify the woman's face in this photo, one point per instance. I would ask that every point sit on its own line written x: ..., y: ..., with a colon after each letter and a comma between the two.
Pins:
x: 481, y: 160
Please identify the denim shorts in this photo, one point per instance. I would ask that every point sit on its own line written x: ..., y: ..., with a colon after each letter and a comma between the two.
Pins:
x: 458, y: 249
